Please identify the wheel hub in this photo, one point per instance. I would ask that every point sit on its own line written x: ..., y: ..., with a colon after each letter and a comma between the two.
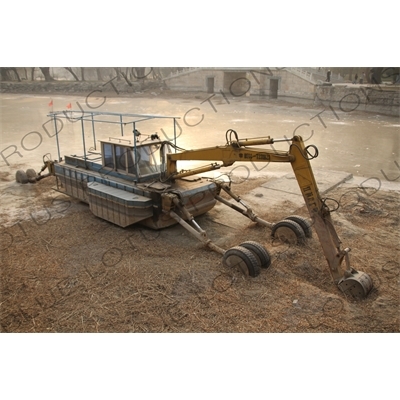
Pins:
x: 358, y: 284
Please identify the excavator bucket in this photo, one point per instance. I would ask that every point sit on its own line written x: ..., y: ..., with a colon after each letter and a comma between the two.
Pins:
x: 357, y: 284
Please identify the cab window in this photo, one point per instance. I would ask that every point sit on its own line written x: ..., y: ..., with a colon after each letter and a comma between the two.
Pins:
x: 108, y: 158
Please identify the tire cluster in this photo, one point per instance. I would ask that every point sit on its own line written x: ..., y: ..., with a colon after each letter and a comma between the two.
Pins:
x: 26, y: 176
x: 251, y: 257
x: 292, y: 229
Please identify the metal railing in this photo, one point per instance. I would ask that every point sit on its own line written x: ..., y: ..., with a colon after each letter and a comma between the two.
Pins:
x: 314, y: 75
x: 182, y: 71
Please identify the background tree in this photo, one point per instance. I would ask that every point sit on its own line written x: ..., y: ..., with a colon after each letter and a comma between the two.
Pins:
x: 9, y: 74
x: 46, y: 73
x: 70, y: 70
x: 385, y: 74
x: 140, y: 72
x: 376, y: 75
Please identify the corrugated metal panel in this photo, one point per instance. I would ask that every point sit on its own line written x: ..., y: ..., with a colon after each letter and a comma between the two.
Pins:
x: 121, y: 196
x: 118, y: 206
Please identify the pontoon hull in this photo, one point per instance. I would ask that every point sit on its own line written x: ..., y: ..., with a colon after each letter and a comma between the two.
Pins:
x: 125, y: 203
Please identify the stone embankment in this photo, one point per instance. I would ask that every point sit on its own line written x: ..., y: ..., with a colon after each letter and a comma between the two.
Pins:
x: 378, y: 99
x: 381, y: 99
x: 85, y: 87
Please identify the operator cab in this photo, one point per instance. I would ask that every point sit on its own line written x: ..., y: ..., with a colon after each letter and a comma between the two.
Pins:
x: 143, y: 161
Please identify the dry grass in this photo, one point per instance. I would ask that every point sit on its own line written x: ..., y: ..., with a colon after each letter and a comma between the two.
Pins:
x: 81, y: 274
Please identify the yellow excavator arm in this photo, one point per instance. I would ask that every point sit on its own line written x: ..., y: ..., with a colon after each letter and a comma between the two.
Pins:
x: 228, y: 154
x: 356, y: 283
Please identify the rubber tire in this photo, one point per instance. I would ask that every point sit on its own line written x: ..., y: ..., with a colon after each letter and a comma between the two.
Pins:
x: 293, y: 226
x: 31, y: 173
x: 248, y: 258
x: 305, y: 225
x: 259, y: 251
x: 21, y: 177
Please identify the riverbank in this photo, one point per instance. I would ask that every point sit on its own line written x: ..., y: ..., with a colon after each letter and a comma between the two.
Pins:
x: 372, y: 99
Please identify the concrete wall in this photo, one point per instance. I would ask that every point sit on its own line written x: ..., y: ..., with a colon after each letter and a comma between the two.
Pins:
x: 291, y: 87
x: 240, y: 82
x: 296, y: 87
x: 383, y: 99
x: 195, y: 80
x: 237, y: 82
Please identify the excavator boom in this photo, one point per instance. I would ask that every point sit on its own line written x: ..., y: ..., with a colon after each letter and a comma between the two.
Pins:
x: 228, y: 155
x: 350, y: 281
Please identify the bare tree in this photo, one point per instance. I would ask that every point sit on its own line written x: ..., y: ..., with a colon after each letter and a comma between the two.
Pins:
x: 157, y: 75
x: 46, y: 73
x: 29, y: 73
x: 99, y: 75
x: 70, y: 70
x: 376, y: 75
x: 9, y: 74
x: 140, y: 72
x: 4, y: 74
x: 118, y: 70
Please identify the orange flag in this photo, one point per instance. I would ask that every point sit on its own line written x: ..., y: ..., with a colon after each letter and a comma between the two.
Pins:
x: 69, y: 105
x: 51, y: 103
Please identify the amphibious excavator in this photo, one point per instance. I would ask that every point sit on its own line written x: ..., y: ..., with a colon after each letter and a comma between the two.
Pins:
x: 135, y: 179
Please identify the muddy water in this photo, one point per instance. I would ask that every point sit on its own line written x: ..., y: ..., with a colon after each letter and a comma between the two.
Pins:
x: 363, y: 144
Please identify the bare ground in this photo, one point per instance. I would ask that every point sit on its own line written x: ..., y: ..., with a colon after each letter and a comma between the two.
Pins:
x: 64, y: 270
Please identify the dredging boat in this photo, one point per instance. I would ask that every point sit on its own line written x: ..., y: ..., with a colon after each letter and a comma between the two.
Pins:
x: 123, y: 180
x: 134, y: 179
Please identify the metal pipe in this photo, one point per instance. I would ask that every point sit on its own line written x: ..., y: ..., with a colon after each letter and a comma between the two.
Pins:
x: 261, y: 141
x: 202, y: 237
x: 94, y: 134
x: 175, y: 133
x: 58, y: 144
x: 149, y: 116
x: 196, y: 225
x: 282, y: 140
x: 189, y: 228
x: 83, y: 140
x: 247, y: 213
x: 135, y: 150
